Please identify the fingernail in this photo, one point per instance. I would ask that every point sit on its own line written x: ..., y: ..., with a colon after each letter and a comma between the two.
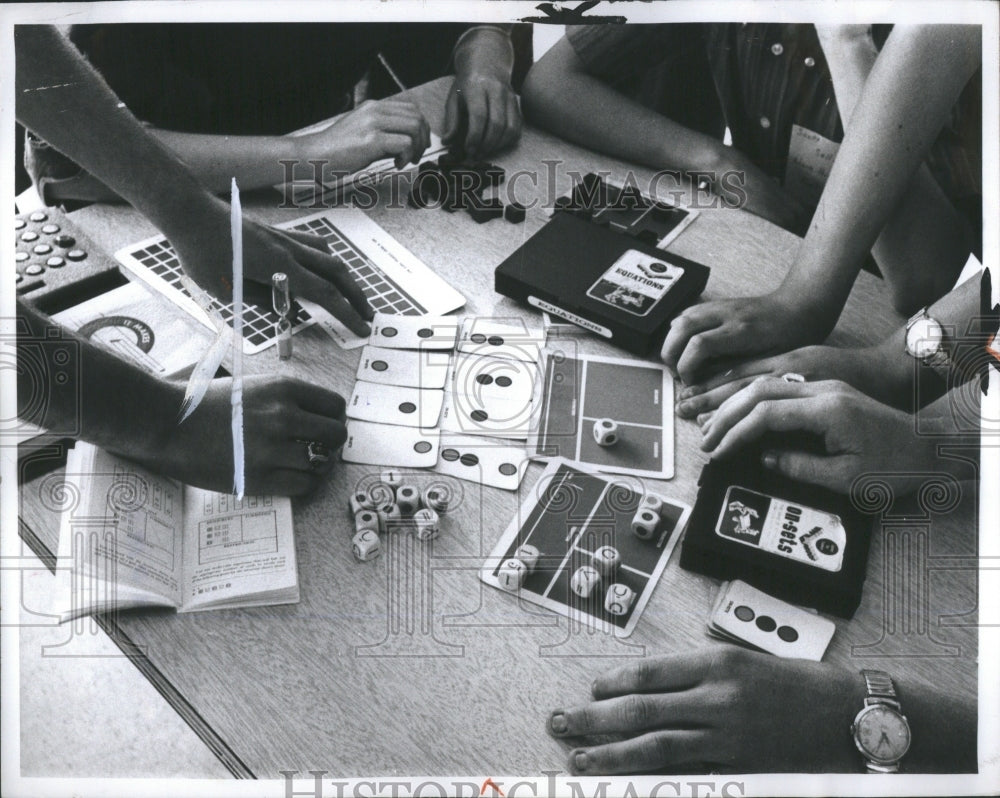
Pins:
x: 580, y: 760
x: 683, y: 408
x: 704, y: 419
x: 594, y: 688
x: 769, y: 459
x: 686, y: 393
x: 558, y: 723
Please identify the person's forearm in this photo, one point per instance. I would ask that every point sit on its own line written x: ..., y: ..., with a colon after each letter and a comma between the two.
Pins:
x: 56, y: 89
x: 255, y: 161
x: 925, y: 242
x: 905, y: 383
x: 943, y: 729
x: 486, y: 50
x: 904, y: 105
x: 561, y: 97
x: 77, y: 387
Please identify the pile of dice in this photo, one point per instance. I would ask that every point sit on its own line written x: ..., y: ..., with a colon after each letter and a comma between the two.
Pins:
x: 603, y: 567
x: 391, y: 506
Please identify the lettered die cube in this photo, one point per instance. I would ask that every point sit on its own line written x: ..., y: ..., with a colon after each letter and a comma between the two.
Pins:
x: 652, y: 502
x: 619, y: 599
x: 359, y: 501
x: 367, y: 519
x: 645, y: 523
x: 512, y: 574
x: 606, y: 432
x: 435, y: 498
x: 529, y: 555
x: 426, y: 524
x: 381, y: 493
x: 606, y: 559
x: 390, y: 517
x: 407, y: 499
x: 584, y: 580
x: 366, y: 545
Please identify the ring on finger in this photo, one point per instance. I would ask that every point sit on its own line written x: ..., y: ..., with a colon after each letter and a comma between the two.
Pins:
x: 317, y: 452
x: 791, y: 376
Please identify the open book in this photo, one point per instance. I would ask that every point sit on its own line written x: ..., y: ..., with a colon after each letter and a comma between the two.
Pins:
x: 129, y: 538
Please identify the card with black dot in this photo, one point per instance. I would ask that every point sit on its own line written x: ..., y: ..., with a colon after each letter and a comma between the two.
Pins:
x: 750, y: 617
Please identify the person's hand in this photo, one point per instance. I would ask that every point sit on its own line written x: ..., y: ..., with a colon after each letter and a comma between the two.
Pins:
x: 482, y: 113
x: 392, y: 128
x: 730, y: 330
x: 721, y: 709
x: 859, y: 434
x: 857, y: 367
x: 741, y: 183
x: 280, y: 418
x: 206, y: 254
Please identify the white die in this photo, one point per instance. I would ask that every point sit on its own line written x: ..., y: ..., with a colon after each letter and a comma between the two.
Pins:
x: 606, y: 432
x: 651, y: 502
x: 584, y: 580
x: 426, y: 524
x: 512, y: 574
x: 367, y: 519
x: 359, y: 501
x: 436, y: 499
x: 407, y: 499
x: 366, y: 545
x: 606, y: 559
x: 529, y: 555
x: 390, y: 517
x: 644, y: 523
x: 391, y: 478
x: 618, y: 599
x: 381, y: 493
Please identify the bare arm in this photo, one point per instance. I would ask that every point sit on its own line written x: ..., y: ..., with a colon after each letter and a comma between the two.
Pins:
x: 559, y: 95
x: 925, y: 242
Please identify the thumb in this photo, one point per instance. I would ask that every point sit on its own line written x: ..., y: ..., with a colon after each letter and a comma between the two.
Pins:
x: 823, y: 470
x: 451, y: 116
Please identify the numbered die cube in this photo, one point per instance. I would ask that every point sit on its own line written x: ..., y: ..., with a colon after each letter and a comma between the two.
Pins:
x: 390, y: 517
x: 381, y: 493
x: 606, y: 559
x: 426, y: 524
x: 407, y: 499
x: 436, y: 499
x: 359, y: 501
x: 651, y: 502
x: 645, y: 523
x: 619, y: 598
x: 529, y: 555
x: 391, y: 477
x: 512, y: 574
x: 366, y: 545
x: 584, y: 580
x: 367, y: 519
x: 606, y: 432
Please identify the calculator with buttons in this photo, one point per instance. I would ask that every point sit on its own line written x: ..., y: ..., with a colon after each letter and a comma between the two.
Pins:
x: 52, y: 256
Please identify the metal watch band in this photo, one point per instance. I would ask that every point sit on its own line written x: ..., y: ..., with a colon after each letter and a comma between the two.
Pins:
x: 880, y: 687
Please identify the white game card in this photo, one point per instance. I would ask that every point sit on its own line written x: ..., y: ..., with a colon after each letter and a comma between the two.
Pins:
x: 761, y: 621
x: 498, y: 418
x: 479, y: 460
x: 395, y: 404
x: 384, y: 445
x: 483, y: 379
x: 413, y: 332
x: 484, y: 336
x: 413, y: 369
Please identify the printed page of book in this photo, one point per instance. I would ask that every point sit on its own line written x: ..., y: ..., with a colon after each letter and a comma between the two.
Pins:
x: 237, y: 552
x: 120, y: 535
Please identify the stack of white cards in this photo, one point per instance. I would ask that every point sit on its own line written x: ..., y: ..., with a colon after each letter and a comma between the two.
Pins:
x: 467, y: 416
x: 749, y: 617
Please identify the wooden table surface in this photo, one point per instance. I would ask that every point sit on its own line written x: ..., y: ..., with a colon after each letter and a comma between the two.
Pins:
x: 409, y: 665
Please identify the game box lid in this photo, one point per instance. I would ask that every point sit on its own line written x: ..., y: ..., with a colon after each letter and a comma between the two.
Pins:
x: 800, y: 543
x: 613, y: 284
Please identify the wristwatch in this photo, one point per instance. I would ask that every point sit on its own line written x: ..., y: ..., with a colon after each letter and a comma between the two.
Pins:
x: 881, y: 731
x: 925, y: 341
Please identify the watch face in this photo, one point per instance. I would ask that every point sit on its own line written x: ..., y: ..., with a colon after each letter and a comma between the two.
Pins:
x: 882, y: 734
x: 923, y: 339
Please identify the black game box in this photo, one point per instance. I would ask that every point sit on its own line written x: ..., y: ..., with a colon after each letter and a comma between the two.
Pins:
x: 803, y: 544
x: 598, y: 266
